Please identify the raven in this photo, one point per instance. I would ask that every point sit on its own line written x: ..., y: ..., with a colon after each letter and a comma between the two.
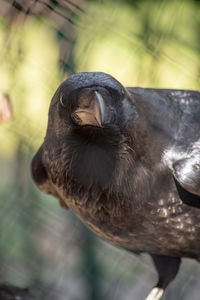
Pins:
x: 126, y: 161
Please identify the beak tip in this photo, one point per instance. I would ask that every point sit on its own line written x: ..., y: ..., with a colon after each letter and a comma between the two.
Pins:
x: 101, y: 106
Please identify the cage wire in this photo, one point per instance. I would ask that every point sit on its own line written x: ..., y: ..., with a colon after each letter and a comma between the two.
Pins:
x: 141, y: 43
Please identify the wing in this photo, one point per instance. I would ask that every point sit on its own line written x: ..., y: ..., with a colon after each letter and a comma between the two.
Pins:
x: 186, y: 196
x: 185, y: 167
x: 186, y: 173
x: 41, y: 179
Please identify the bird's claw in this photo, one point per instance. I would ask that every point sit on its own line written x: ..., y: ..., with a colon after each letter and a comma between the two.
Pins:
x: 155, y: 294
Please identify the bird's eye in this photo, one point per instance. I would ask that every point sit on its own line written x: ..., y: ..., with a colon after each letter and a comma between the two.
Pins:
x: 61, y: 100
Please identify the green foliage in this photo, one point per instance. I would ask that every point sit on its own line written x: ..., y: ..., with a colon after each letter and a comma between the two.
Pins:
x: 152, y: 44
x: 29, y: 73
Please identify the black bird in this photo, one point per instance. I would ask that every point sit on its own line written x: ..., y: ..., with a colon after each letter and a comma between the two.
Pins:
x: 126, y: 161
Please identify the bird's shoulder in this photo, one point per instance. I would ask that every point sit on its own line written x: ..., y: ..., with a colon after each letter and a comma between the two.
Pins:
x: 41, y: 177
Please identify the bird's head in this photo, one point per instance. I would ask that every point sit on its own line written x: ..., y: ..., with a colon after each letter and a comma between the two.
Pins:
x: 89, y: 101
x: 88, y: 119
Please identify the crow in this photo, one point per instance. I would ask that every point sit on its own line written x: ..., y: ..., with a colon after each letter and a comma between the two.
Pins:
x: 126, y: 161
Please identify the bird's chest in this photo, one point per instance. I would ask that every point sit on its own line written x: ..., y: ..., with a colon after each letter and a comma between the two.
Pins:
x: 155, y: 229
x: 109, y: 218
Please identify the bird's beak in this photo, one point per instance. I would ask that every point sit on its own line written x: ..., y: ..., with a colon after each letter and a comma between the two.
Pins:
x: 93, y: 113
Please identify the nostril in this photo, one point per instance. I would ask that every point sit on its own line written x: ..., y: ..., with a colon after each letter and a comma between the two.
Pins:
x: 76, y: 118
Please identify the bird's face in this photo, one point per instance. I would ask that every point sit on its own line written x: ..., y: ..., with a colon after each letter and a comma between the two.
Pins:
x: 88, y: 100
x: 87, y: 121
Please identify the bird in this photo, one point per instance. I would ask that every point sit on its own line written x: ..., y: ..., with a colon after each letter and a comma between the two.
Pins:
x: 126, y: 161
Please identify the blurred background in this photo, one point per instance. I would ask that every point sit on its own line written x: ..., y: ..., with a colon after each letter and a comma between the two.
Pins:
x: 141, y: 43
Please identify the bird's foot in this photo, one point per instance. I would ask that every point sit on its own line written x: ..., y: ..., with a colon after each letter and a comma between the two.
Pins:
x: 155, y: 294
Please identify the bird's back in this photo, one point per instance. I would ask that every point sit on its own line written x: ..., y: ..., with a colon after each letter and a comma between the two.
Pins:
x: 178, y: 111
